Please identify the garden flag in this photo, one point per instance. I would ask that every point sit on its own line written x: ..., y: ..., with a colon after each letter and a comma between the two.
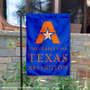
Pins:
x: 48, y: 44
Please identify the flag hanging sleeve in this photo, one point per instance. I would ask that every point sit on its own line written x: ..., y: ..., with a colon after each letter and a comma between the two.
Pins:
x: 48, y: 44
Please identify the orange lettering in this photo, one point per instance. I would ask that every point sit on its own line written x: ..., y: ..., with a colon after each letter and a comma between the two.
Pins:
x: 34, y: 67
x: 48, y: 57
x: 31, y: 57
x: 59, y: 67
x: 50, y: 68
x: 64, y: 57
x: 57, y: 57
x: 40, y: 57
x: 30, y: 68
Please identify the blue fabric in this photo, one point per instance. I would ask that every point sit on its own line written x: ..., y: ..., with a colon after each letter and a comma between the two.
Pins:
x: 61, y: 24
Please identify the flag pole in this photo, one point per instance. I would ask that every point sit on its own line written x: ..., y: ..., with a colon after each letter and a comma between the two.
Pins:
x: 21, y: 75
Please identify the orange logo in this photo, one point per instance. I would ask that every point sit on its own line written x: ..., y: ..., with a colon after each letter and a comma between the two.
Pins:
x: 47, y: 31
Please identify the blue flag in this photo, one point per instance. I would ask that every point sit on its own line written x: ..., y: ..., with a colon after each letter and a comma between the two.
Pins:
x: 48, y: 44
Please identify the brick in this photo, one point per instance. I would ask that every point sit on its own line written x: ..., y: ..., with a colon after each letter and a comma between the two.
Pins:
x: 81, y: 61
x: 77, y: 39
x: 49, y: 77
x: 78, y: 35
x: 87, y: 44
x: 3, y: 66
x: 23, y: 39
x: 18, y: 51
x: 15, y: 59
x: 77, y: 43
x: 81, y: 72
x: 24, y: 58
x: 23, y: 44
x: 85, y: 39
x: 3, y: 42
x: 73, y: 67
x: 5, y: 52
x: 5, y: 60
x: 78, y: 54
x: 80, y: 48
x: 71, y: 41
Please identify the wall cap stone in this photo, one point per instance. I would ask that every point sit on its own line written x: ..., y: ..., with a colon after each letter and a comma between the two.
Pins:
x: 12, y: 33
x: 83, y: 34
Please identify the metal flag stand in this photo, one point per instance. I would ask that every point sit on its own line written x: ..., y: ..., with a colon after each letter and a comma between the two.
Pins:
x: 19, y: 13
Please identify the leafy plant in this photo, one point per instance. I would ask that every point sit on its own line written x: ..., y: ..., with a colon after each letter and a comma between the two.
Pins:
x: 27, y: 80
x: 65, y: 83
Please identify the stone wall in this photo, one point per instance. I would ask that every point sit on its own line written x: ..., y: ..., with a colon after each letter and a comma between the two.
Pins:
x: 80, y: 44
